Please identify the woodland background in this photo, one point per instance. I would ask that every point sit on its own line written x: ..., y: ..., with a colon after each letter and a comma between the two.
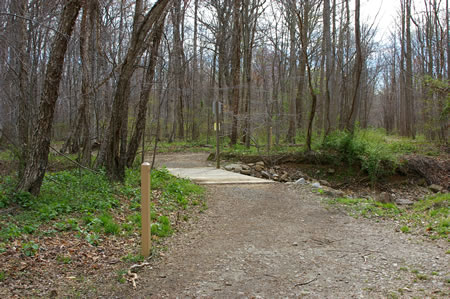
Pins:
x: 103, y: 77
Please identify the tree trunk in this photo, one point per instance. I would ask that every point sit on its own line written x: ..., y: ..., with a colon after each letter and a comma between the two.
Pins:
x: 350, y: 125
x: 115, y: 151
x: 19, y: 7
x: 329, y: 70
x: 195, y: 112
x: 37, y: 161
x: 292, y: 75
x: 410, y: 119
x: 139, y: 128
x: 235, y: 68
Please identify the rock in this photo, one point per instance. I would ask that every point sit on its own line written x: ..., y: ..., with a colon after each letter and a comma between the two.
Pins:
x: 237, y: 169
x: 421, y: 182
x: 229, y: 167
x: 316, y: 185
x: 246, y: 171
x: 260, y: 163
x: 385, y: 197
x: 284, y: 177
x: 404, y: 202
x: 265, y: 174
x: 295, y: 244
x: 259, y: 168
x: 324, y: 183
x: 435, y: 188
x: 251, y: 164
x: 300, y: 174
x: 245, y: 167
x: 339, y: 193
x: 276, y: 177
x: 332, y: 192
x: 300, y: 181
x: 331, y: 171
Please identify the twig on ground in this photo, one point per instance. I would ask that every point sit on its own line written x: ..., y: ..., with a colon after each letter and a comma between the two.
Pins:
x: 71, y: 160
x: 133, y: 276
x: 305, y: 283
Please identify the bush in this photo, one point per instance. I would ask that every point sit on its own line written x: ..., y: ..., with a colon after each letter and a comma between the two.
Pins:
x: 368, y: 148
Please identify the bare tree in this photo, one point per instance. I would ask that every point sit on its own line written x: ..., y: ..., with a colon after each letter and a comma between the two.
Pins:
x: 113, y: 155
x: 236, y: 68
x: 37, y: 160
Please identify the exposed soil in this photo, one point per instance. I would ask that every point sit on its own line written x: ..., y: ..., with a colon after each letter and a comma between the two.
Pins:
x: 279, y: 240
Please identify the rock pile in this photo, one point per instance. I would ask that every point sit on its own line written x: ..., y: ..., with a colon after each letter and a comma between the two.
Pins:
x: 261, y: 170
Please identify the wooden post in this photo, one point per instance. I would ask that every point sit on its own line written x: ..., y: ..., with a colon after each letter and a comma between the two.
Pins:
x: 216, y: 108
x: 270, y: 139
x: 146, y: 242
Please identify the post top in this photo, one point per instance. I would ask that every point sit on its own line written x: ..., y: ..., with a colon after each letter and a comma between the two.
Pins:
x: 145, y: 164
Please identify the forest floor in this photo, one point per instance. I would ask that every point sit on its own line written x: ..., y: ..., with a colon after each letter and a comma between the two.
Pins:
x: 273, y: 240
x: 278, y: 240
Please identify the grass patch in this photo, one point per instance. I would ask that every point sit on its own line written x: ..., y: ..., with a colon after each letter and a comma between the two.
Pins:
x: 429, y: 216
x: 88, y: 204
x: 133, y: 258
x: 421, y: 276
x: 162, y: 228
x: 368, y: 208
x: 404, y: 229
x: 183, y: 146
x: 365, y: 147
x: 121, y: 276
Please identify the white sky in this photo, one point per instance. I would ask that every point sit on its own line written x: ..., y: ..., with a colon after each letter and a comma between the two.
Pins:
x: 387, y: 11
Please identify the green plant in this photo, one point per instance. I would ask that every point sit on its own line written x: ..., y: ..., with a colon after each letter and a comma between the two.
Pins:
x: 64, y: 259
x: 430, y: 214
x: 135, y: 218
x: 133, y: 258
x: 110, y: 227
x: 422, y: 276
x: 162, y: 228
x: 366, y: 147
x: 404, y: 229
x: 2, y: 276
x: 10, y: 231
x: 30, y: 248
x: 92, y: 238
x: 29, y: 228
x: 121, y: 276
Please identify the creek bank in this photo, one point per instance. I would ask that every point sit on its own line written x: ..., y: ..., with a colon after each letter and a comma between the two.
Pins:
x: 412, y: 179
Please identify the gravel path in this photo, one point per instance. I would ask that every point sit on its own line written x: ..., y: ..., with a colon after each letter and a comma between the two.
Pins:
x: 279, y: 241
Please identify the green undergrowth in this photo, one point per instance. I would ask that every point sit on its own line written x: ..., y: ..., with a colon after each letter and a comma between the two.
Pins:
x: 371, y: 150
x: 183, y: 146
x: 376, y: 152
x: 429, y: 216
x: 89, y: 205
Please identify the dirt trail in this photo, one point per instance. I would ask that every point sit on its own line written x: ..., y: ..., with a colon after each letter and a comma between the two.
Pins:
x: 273, y: 241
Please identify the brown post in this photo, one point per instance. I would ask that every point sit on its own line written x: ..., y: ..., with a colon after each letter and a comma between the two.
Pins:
x: 216, y: 108
x: 146, y: 242
x: 270, y: 139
